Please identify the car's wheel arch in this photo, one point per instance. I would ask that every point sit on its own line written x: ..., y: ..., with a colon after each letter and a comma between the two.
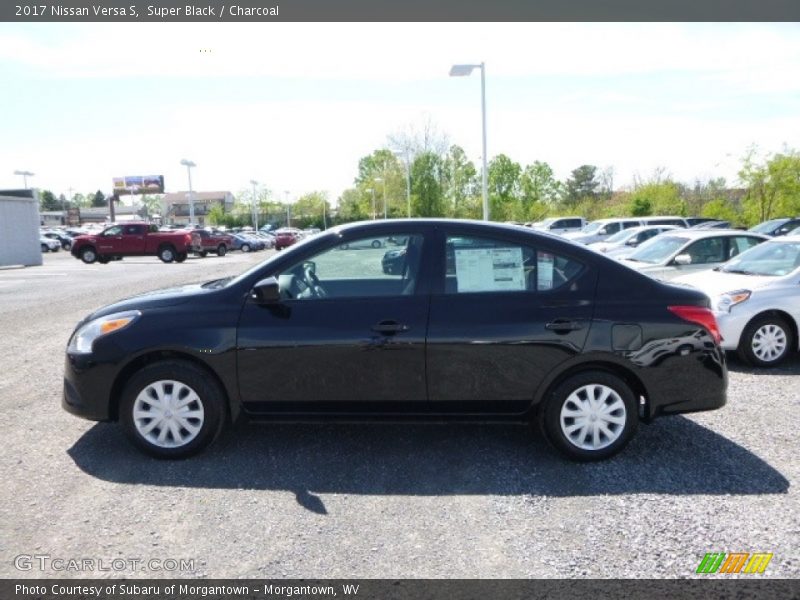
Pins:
x: 141, y: 361
x: 784, y: 316
x: 580, y: 365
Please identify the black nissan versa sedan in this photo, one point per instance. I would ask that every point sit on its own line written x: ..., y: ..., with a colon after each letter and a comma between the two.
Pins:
x: 482, y: 322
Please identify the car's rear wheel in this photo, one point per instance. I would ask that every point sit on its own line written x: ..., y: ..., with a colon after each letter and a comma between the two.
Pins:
x: 376, y: 243
x: 222, y: 250
x: 766, y: 341
x: 88, y: 255
x: 172, y: 409
x: 202, y: 253
x: 590, y: 416
x: 45, y: 248
x: 166, y: 254
x: 181, y: 257
x: 245, y: 247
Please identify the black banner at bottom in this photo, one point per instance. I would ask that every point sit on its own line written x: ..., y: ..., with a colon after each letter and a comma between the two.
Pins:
x: 399, y: 589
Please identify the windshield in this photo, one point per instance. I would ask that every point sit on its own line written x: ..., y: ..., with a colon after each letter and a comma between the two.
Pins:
x: 771, y: 259
x: 767, y: 226
x: 658, y: 249
x: 593, y: 227
x: 623, y: 236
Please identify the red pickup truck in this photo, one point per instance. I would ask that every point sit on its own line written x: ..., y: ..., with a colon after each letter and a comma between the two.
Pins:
x: 132, y: 239
x: 205, y: 241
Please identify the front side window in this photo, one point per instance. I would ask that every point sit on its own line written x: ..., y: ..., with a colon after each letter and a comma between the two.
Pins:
x: 658, y: 249
x: 475, y: 264
x: 112, y: 231
x: 709, y: 250
x: 361, y: 267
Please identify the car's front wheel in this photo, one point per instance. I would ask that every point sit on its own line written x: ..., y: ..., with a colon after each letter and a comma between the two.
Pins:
x: 590, y: 416
x: 88, y: 255
x: 222, y: 250
x: 766, y: 341
x: 172, y: 409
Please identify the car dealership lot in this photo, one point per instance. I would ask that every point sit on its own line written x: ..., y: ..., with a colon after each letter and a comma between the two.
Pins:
x: 374, y: 500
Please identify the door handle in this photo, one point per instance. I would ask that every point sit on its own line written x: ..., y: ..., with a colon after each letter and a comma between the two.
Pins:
x: 389, y: 327
x: 564, y: 325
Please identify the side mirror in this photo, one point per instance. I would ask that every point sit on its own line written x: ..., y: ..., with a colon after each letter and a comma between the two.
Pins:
x: 632, y: 242
x: 266, y: 291
x: 603, y: 231
x: 683, y: 259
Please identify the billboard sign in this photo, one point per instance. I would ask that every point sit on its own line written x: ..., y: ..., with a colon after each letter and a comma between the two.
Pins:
x: 139, y: 184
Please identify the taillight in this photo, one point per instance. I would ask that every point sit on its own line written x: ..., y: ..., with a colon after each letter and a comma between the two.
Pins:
x: 699, y: 315
x: 188, y: 238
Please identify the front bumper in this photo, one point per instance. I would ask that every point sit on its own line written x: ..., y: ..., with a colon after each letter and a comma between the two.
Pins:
x: 731, y: 326
x: 87, y: 388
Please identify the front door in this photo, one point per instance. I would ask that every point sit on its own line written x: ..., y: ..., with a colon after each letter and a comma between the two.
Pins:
x: 347, y: 336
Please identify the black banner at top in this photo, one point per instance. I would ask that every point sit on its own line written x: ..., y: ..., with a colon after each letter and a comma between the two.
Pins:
x: 396, y: 10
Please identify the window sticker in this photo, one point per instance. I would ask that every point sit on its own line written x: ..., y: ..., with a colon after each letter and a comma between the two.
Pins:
x: 489, y: 269
x: 544, y: 278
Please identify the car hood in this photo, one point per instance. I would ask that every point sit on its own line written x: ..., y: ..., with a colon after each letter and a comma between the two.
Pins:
x: 155, y: 299
x: 714, y: 283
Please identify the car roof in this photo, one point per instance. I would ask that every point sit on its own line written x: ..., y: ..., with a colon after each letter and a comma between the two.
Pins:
x: 696, y: 234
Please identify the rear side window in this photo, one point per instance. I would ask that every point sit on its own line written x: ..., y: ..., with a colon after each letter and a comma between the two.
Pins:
x: 629, y: 224
x: 740, y: 244
x: 483, y: 265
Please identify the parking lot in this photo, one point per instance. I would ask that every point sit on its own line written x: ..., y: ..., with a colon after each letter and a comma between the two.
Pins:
x: 373, y: 500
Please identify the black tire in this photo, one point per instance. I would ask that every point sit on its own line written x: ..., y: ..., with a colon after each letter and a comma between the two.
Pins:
x: 67, y: 246
x: 103, y: 260
x: 202, y: 253
x: 245, y: 248
x: 551, y: 415
x: 210, y: 397
x: 376, y: 244
x: 167, y: 253
x: 45, y: 248
x: 88, y: 255
x: 222, y: 250
x: 767, y: 324
x: 181, y: 257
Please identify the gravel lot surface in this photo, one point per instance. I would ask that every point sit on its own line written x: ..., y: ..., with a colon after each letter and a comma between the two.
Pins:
x: 373, y: 500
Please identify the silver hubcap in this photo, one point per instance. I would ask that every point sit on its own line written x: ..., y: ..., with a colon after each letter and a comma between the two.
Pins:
x: 89, y: 255
x: 593, y: 417
x: 769, y: 342
x: 167, y: 254
x: 168, y: 414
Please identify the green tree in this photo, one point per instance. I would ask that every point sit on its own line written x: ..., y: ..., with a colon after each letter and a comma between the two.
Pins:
x: 48, y: 201
x: 427, y: 189
x: 582, y: 183
x: 719, y: 208
x: 311, y: 210
x: 354, y: 205
x: 659, y: 198
x: 773, y: 185
x: 460, y: 180
x: 99, y: 199
x: 503, y: 183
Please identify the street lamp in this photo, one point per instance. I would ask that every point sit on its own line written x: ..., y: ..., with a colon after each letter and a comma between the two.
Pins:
x: 379, y: 180
x: 286, y: 199
x: 463, y: 71
x: 368, y: 190
x: 189, y: 164
x: 408, y: 179
x: 25, y: 175
x: 255, y: 200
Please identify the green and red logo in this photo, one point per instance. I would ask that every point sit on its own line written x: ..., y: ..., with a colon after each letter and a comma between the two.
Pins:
x: 734, y: 562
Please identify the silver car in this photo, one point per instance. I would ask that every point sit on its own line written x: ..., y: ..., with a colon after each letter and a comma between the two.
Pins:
x: 756, y: 300
x: 673, y: 254
x: 625, y: 242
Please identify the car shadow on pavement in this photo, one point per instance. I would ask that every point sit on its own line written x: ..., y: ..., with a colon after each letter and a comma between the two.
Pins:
x: 791, y: 366
x: 673, y: 456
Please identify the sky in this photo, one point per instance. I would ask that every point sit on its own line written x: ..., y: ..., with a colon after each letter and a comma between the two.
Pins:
x: 296, y: 105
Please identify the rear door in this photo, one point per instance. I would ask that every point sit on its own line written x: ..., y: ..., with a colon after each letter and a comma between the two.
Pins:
x: 133, y: 239
x: 503, y: 314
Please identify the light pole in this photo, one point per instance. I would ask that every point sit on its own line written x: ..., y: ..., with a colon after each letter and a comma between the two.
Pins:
x: 379, y: 180
x: 286, y: 199
x: 255, y: 201
x: 189, y: 164
x: 463, y: 71
x: 408, y: 179
x: 25, y: 175
x: 373, y: 201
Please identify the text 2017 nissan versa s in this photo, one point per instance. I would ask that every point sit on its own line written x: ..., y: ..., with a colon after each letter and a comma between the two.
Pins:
x: 483, y: 321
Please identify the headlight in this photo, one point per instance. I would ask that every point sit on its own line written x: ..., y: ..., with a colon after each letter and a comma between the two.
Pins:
x: 82, y: 340
x: 730, y: 299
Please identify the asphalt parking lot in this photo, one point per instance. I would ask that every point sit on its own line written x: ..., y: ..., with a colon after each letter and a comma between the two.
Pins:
x: 372, y: 500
